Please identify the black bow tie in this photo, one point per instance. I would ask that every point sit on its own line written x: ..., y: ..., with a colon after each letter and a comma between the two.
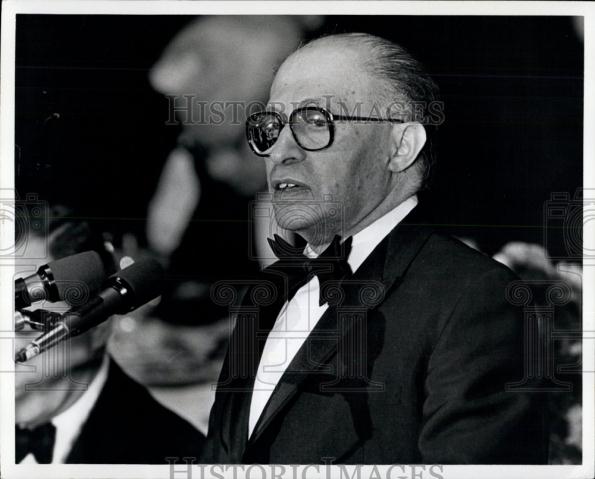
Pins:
x: 38, y: 441
x: 331, y: 265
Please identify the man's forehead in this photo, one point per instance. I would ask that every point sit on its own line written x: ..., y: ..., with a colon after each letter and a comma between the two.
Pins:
x: 322, y: 76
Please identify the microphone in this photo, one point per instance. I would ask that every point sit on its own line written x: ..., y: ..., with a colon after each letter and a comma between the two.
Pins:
x: 123, y: 292
x: 64, y: 279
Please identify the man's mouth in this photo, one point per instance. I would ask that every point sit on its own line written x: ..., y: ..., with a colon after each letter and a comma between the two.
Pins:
x: 287, y: 185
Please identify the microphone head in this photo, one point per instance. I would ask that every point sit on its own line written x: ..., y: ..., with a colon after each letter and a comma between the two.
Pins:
x: 144, y: 279
x: 78, y: 277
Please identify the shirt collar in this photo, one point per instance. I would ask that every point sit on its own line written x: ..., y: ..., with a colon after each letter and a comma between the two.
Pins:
x: 70, y: 422
x: 367, y: 239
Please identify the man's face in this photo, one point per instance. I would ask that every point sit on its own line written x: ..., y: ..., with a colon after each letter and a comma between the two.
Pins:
x: 340, y: 185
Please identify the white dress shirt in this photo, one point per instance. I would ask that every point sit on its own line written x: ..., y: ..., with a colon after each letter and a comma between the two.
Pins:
x: 69, y: 423
x: 299, y: 316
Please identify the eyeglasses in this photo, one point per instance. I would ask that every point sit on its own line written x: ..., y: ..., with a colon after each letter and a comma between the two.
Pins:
x: 312, y: 127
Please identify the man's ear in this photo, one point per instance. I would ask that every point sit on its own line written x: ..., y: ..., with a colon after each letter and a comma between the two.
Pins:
x: 407, y: 140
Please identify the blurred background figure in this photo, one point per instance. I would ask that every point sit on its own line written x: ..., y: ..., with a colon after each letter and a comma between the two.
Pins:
x: 74, y: 404
x: 198, y: 220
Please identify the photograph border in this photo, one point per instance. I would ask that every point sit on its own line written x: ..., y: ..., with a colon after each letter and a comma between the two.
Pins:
x: 11, y: 8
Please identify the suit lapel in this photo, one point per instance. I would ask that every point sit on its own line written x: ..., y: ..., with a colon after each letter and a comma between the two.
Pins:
x: 349, y: 303
x: 254, y: 320
x: 91, y: 445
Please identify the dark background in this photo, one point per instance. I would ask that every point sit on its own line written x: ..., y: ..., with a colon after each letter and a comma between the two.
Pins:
x: 513, y: 88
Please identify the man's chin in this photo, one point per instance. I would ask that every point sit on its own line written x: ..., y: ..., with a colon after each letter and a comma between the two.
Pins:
x: 298, y: 217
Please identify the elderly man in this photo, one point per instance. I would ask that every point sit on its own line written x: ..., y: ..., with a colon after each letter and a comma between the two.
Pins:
x: 384, y: 341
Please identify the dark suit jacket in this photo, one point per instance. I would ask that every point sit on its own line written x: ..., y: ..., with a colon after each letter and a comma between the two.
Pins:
x: 407, y: 365
x: 128, y: 426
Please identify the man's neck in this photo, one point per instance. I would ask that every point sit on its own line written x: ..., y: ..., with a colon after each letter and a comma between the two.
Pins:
x: 318, y: 244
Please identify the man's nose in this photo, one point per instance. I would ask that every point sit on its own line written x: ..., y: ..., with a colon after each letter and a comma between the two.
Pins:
x: 286, y: 150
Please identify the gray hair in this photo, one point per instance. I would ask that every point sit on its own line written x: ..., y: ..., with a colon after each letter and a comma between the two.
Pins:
x: 409, y: 88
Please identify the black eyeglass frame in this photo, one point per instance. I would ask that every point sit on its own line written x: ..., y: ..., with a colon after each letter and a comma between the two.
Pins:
x: 330, y: 119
